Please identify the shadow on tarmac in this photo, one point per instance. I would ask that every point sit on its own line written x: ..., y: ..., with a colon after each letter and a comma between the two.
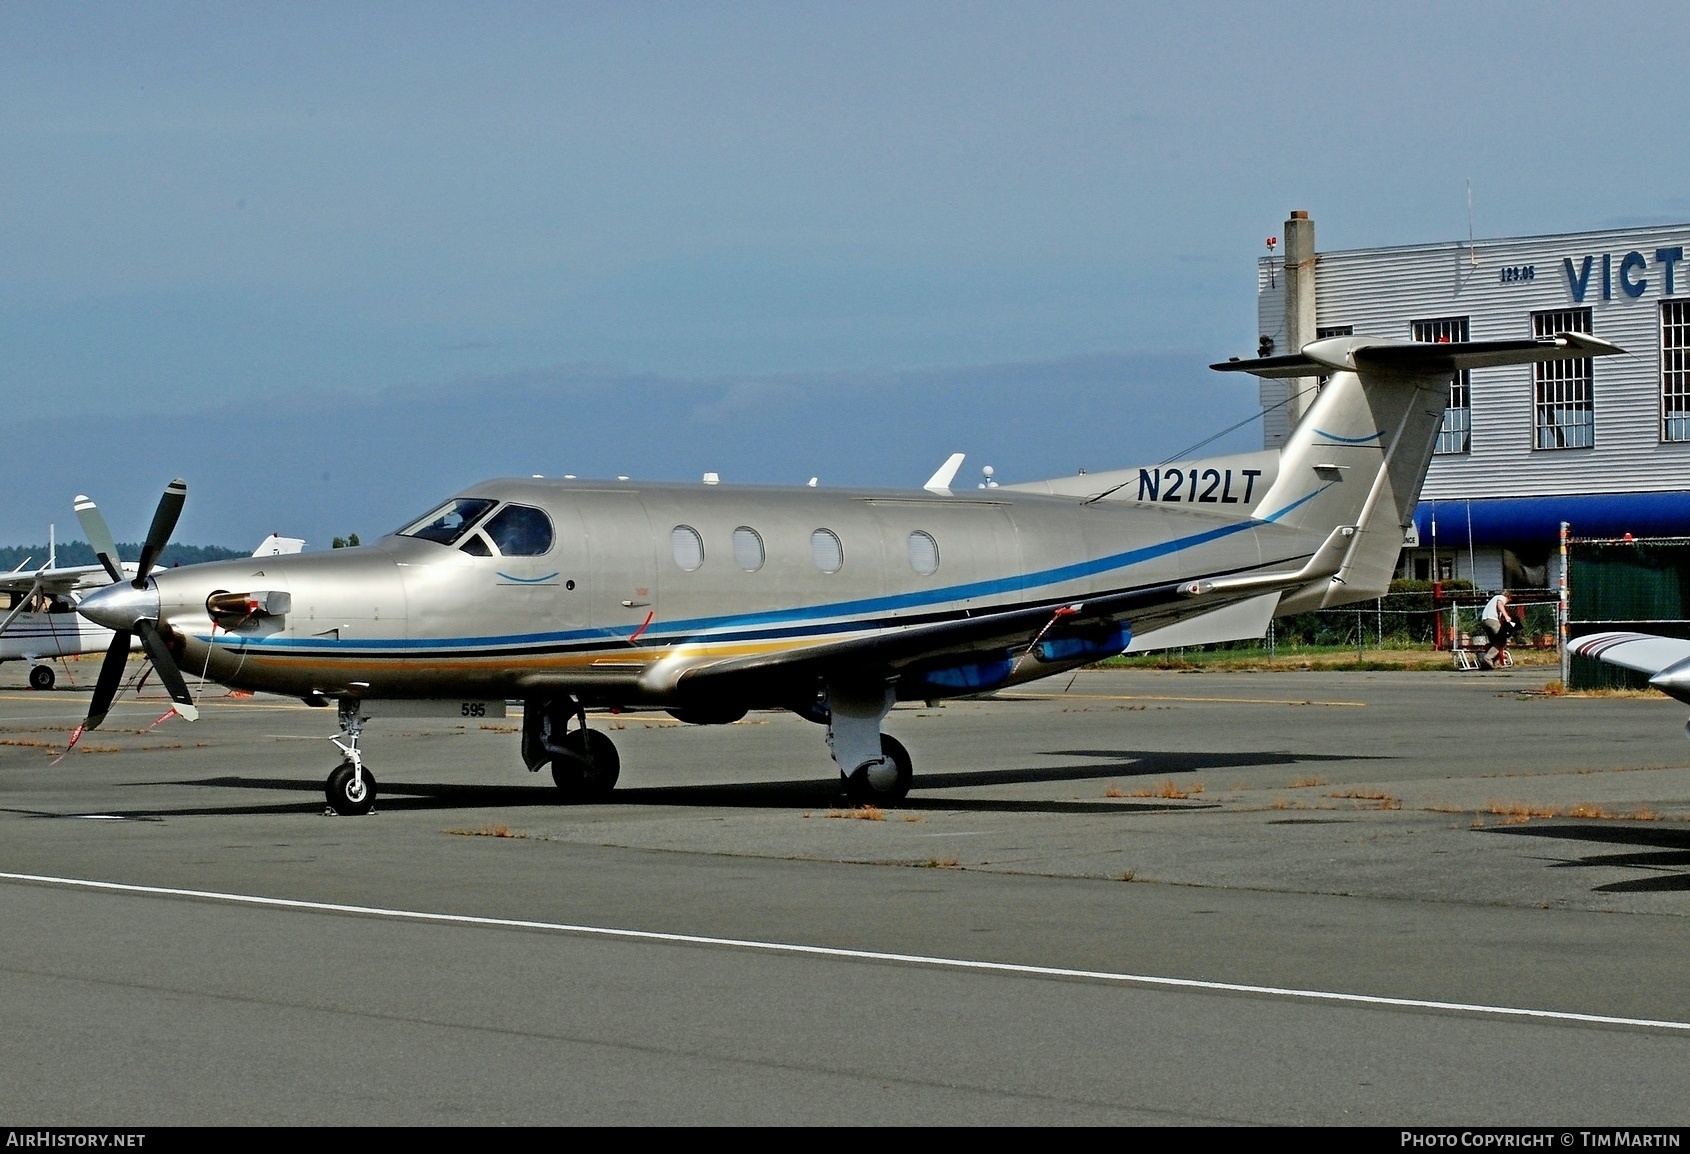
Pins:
x: 806, y: 793
x: 1669, y: 853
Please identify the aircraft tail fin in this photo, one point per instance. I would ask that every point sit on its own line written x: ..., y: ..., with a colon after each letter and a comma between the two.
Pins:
x: 1359, y: 455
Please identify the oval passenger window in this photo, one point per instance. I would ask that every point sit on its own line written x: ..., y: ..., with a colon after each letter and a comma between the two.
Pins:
x: 748, y: 549
x: 826, y: 549
x: 687, y: 546
x: 521, y: 531
x: 924, y: 553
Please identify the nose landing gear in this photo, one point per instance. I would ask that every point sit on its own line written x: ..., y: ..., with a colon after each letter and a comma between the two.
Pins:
x: 351, y: 787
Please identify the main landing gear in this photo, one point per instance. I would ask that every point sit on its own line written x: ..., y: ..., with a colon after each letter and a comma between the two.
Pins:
x: 351, y: 787
x: 41, y: 677
x: 584, y: 761
x: 874, y: 767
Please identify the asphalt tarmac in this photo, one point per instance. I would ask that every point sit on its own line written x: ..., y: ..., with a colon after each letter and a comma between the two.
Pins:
x: 1136, y: 897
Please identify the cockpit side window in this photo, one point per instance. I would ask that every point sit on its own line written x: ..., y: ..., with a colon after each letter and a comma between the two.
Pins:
x: 521, y: 531
x: 449, y: 522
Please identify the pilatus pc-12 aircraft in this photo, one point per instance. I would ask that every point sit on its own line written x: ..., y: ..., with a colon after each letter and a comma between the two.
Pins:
x: 709, y: 600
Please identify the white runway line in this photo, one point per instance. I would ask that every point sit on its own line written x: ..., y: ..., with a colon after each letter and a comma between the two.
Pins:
x: 852, y: 955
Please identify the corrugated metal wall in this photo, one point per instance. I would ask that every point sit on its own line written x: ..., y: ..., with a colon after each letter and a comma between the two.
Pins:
x: 1383, y: 291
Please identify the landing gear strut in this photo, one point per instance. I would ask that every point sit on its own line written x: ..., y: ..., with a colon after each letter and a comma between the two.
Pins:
x: 351, y: 787
x: 585, y: 764
x: 873, y: 766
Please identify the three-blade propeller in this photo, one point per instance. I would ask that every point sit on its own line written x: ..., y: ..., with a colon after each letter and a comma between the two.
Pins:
x: 129, y: 608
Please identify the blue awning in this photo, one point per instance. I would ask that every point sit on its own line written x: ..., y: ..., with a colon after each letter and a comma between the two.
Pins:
x: 1510, y: 520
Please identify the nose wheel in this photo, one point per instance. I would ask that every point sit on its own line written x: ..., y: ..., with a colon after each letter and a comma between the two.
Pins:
x: 351, y: 790
x: 351, y: 787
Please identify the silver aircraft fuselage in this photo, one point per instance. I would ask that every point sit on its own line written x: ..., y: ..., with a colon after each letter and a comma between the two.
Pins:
x: 609, y: 614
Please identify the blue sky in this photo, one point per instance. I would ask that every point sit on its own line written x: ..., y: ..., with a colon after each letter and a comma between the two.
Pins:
x: 421, y: 244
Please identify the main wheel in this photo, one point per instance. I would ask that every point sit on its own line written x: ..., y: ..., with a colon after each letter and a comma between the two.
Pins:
x: 887, y: 783
x: 41, y: 677
x: 349, y: 800
x: 588, y: 771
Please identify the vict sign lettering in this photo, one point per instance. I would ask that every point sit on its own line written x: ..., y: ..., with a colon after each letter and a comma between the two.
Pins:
x: 1631, y: 265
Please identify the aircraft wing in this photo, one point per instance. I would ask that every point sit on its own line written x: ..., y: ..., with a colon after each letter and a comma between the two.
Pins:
x: 62, y: 580
x: 1665, y: 659
x: 954, y: 641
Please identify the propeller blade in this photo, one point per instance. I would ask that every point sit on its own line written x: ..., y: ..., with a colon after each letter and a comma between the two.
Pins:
x: 164, y: 524
x: 23, y: 603
x: 94, y: 525
x: 165, y: 665
x: 111, y: 676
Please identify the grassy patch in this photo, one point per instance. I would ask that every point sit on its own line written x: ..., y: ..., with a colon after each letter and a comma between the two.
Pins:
x: 1362, y: 794
x: 1518, y: 813
x: 1168, y: 790
x: 1326, y: 657
x: 486, y: 831
x: 861, y: 813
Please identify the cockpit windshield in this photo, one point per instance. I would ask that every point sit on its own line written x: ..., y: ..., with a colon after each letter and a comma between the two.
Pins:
x: 449, y: 522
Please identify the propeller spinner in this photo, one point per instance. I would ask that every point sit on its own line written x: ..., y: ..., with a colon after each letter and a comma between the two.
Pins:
x: 131, y: 607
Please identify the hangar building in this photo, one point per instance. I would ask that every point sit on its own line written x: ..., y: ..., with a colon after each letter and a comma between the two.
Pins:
x: 1604, y: 447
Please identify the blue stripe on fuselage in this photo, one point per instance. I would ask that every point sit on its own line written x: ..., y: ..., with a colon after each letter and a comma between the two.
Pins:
x: 812, y: 616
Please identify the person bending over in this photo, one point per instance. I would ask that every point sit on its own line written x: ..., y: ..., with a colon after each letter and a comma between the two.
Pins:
x: 1498, y: 624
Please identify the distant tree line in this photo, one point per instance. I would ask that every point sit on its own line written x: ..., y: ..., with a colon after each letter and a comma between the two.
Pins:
x: 81, y: 553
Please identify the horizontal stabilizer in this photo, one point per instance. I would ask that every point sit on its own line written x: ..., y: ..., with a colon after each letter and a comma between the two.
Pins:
x: 1417, y: 358
x: 1325, y: 562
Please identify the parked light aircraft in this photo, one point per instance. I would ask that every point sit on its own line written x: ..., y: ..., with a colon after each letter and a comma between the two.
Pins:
x: 1665, y: 659
x: 708, y: 600
x: 42, y: 622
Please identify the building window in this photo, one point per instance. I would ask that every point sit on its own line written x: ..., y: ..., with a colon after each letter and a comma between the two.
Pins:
x: 1565, y: 416
x: 1675, y: 370
x: 1456, y: 436
x: 1322, y: 332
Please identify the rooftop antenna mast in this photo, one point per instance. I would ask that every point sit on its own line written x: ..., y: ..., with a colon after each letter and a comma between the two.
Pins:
x: 1472, y: 254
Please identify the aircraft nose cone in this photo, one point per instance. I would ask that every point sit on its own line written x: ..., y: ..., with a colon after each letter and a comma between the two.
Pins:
x: 120, y: 605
